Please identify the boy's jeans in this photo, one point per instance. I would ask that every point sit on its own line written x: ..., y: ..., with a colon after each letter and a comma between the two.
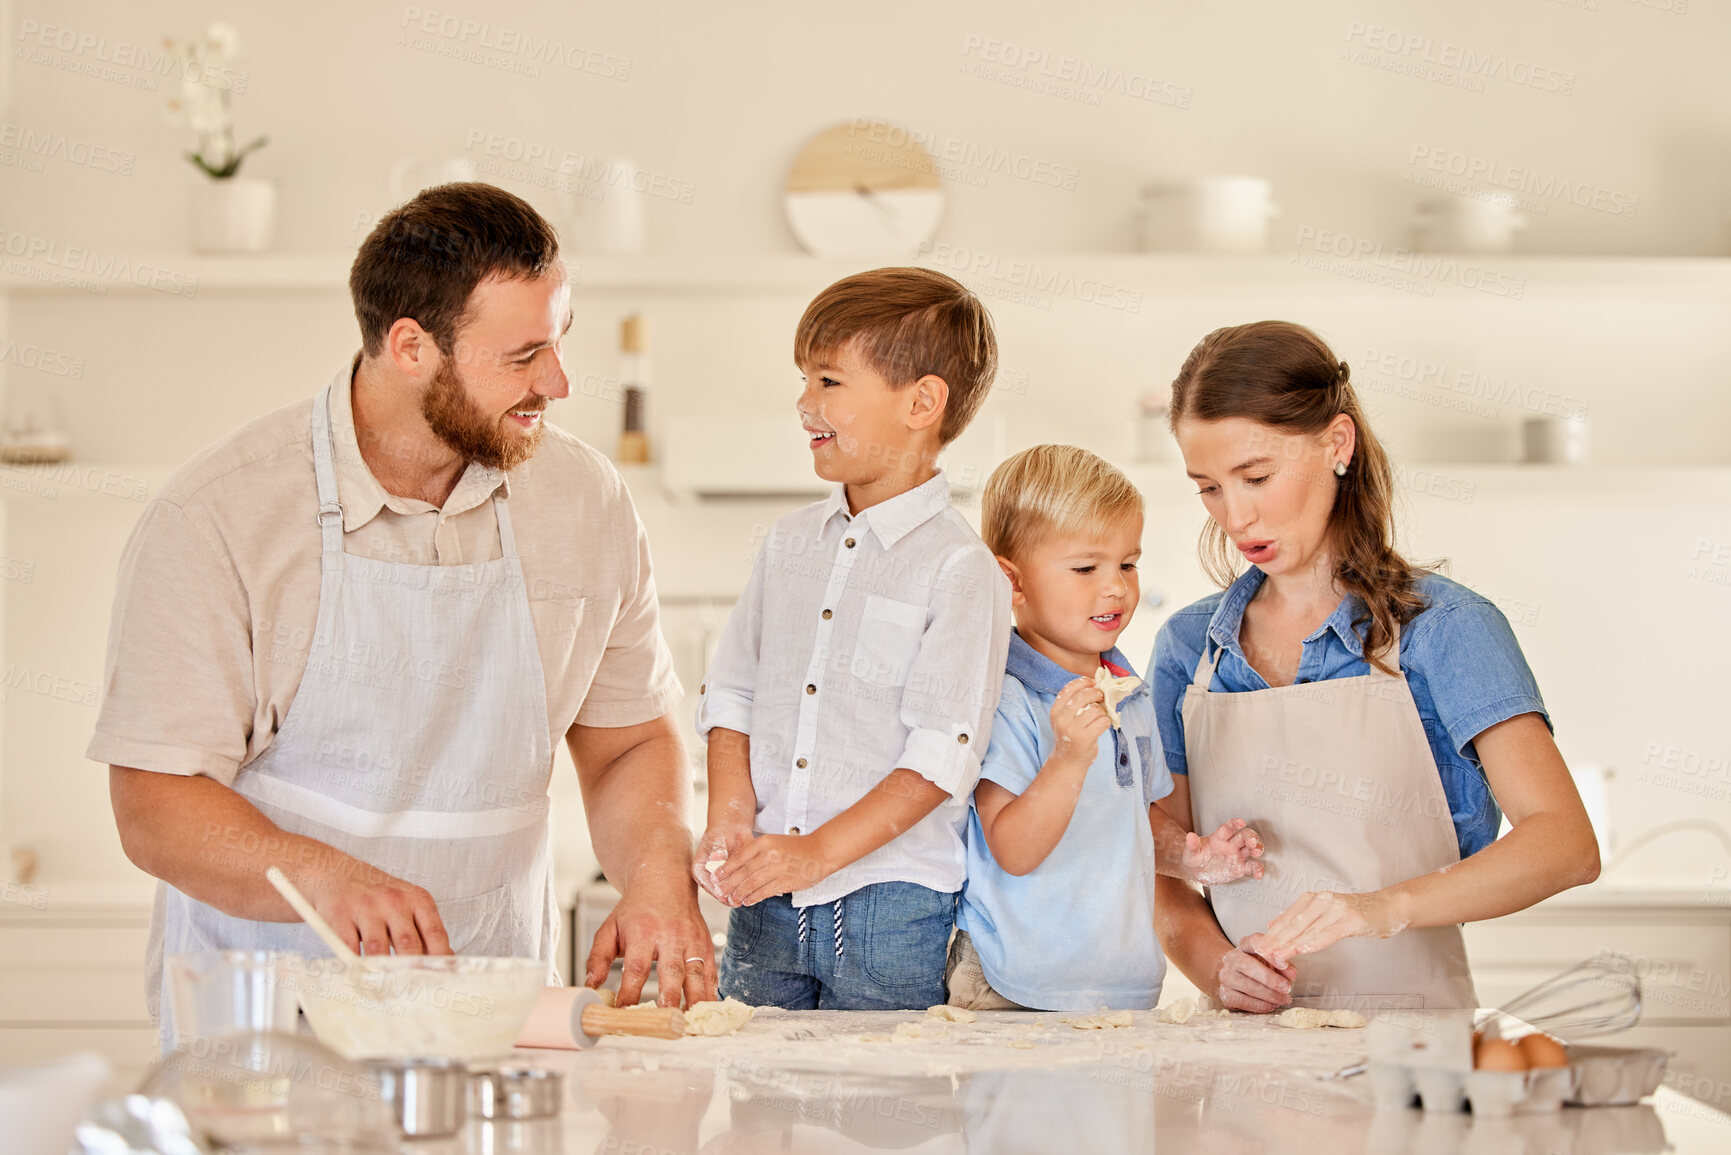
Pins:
x: 881, y: 948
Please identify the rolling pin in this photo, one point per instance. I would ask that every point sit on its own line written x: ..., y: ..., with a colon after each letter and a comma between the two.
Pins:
x: 573, y: 1018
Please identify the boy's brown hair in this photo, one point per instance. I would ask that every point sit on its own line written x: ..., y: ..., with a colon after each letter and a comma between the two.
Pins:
x: 906, y: 323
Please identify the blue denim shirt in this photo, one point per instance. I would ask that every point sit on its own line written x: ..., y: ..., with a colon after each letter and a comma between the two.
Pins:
x: 1461, y: 660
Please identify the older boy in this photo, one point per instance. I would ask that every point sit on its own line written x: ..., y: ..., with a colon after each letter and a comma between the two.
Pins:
x: 853, y: 689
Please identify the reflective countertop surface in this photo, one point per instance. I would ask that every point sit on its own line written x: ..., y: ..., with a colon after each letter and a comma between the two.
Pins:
x: 840, y: 1082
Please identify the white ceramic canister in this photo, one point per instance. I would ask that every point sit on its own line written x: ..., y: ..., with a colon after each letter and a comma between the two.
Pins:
x: 1214, y: 214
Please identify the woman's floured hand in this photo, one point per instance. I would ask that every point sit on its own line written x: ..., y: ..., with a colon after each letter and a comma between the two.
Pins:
x: 1322, y: 918
x: 1246, y: 982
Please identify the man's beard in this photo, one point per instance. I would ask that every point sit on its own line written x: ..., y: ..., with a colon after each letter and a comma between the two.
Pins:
x: 476, y: 436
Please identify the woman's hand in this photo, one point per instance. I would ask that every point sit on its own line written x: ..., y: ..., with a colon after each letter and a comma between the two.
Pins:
x: 1227, y: 855
x: 1323, y: 918
x: 1078, y: 719
x: 1245, y: 982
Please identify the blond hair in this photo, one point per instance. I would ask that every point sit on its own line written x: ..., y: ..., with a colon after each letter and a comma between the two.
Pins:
x: 1053, y: 489
x: 905, y: 323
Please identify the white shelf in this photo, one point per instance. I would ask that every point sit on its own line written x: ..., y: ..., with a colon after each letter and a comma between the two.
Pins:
x: 1055, y: 275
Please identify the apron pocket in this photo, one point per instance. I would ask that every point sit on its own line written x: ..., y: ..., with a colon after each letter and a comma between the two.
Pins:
x: 475, y: 925
x: 888, y: 638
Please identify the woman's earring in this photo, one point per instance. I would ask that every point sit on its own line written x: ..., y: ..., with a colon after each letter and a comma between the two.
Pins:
x: 1340, y: 469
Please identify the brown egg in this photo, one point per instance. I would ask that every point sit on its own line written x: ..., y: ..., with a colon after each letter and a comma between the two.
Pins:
x: 1543, y: 1051
x: 1499, y: 1055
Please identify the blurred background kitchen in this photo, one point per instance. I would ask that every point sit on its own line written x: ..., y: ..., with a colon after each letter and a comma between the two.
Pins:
x: 1511, y: 217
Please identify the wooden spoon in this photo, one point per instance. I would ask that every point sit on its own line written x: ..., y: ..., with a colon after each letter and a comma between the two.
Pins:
x: 313, y: 919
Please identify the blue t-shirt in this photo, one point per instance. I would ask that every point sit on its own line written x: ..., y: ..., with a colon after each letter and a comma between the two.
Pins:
x: 1077, y: 931
x: 1461, y: 661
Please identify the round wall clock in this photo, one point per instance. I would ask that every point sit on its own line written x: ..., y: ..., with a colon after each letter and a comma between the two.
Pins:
x: 863, y: 188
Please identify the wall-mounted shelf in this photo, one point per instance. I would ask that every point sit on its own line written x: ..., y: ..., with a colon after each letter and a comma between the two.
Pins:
x: 1056, y: 275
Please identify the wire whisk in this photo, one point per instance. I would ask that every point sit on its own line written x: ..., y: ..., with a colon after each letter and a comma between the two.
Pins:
x: 1597, y: 997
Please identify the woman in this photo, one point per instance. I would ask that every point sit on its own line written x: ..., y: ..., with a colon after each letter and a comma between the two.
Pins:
x: 1368, y: 717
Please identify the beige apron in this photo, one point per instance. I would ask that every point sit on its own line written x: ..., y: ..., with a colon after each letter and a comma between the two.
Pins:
x: 1338, y: 779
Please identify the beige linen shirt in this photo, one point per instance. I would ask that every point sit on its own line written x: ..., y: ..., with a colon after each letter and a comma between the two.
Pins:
x: 219, y: 588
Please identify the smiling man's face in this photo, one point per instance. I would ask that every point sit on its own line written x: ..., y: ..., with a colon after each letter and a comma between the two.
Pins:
x: 488, y: 398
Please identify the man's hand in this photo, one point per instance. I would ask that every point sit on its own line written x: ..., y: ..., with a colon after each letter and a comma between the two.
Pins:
x: 374, y: 912
x: 772, y: 864
x: 713, y: 850
x: 1227, y: 855
x: 656, y: 925
x: 1246, y: 982
x: 1323, y: 918
x: 1078, y: 720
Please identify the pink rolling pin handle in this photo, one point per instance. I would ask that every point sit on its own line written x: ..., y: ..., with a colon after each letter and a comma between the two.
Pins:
x: 556, y: 1021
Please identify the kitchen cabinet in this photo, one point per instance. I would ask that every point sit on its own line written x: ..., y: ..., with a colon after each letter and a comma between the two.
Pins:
x: 72, y: 977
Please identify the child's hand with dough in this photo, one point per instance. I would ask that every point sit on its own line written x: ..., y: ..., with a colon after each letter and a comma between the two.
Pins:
x: 1227, y: 855
x: 713, y: 850
x: 1078, y: 719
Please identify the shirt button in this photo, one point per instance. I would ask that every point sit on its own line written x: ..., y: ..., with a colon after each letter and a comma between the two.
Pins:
x: 793, y: 830
x: 828, y: 614
x: 810, y: 689
x: 962, y: 738
x: 800, y: 763
x: 703, y: 687
x: 848, y: 543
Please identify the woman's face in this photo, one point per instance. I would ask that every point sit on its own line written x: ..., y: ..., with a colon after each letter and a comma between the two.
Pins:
x: 1270, y: 490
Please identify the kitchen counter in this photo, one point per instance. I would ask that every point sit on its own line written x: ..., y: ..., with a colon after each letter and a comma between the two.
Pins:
x: 836, y: 1081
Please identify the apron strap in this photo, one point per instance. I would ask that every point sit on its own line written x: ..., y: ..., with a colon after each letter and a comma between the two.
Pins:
x: 1203, y: 678
x: 507, y: 538
x: 330, y: 515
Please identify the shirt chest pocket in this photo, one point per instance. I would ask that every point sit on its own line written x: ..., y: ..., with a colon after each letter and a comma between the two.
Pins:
x: 888, y: 639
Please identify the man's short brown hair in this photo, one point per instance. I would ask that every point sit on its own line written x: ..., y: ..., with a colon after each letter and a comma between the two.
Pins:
x: 906, y: 323
x: 424, y: 258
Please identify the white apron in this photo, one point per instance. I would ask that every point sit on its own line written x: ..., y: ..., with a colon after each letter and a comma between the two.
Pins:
x: 1338, y: 779
x: 417, y: 742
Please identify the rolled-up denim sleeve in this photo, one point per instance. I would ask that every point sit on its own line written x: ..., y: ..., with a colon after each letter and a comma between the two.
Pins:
x: 1171, y: 668
x: 956, y: 677
x: 1472, y: 669
x: 729, y: 688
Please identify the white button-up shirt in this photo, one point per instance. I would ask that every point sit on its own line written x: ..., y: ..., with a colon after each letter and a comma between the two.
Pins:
x: 862, y: 645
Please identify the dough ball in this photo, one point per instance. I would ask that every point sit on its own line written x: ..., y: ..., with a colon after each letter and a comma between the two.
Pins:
x: 714, y: 1019
x: 1179, y: 1011
x: 1345, y: 1018
x: 1116, y: 690
x: 951, y: 1014
x: 1303, y: 1018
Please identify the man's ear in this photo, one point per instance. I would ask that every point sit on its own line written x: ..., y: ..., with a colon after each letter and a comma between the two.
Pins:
x: 1017, y: 597
x: 411, y: 348
x: 928, y: 397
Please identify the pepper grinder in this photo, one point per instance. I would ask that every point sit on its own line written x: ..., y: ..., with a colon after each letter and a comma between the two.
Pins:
x: 634, y: 372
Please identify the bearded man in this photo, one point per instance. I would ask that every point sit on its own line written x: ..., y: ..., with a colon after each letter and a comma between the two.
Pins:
x: 348, y: 636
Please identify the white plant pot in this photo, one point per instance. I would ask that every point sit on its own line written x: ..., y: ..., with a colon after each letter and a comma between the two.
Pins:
x: 237, y: 215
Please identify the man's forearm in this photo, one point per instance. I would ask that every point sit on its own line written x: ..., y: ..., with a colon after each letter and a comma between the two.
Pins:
x: 639, y: 806
x: 1188, y: 931
x: 211, y: 844
x: 891, y: 807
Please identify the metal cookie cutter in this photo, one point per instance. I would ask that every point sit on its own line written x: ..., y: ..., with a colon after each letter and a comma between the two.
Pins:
x: 515, y: 1092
